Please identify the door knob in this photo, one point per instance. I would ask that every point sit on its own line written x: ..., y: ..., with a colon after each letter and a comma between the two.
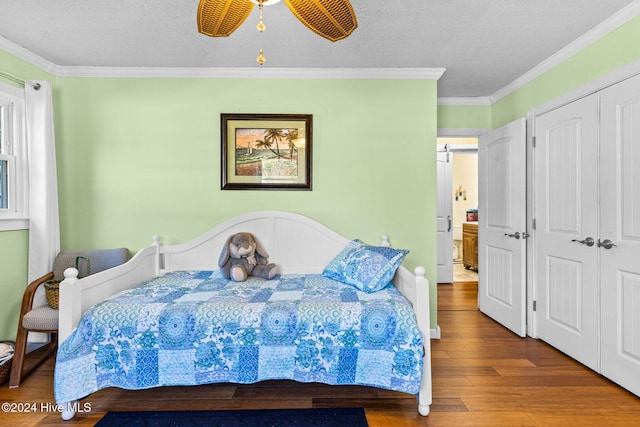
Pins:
x: 588, y: 241
x: 516, y: 235
x: 606, y: 243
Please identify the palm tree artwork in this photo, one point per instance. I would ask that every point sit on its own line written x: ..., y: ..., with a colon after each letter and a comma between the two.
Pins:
x: 259, y: 152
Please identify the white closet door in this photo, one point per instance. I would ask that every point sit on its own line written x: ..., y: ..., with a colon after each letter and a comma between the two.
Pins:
x: 501, y: 224
x: 445, y: 218
x: 620, y: 224
x: 566, y: 206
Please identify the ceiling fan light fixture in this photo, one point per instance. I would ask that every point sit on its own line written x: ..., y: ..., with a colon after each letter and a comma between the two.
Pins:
x: 331, y: 19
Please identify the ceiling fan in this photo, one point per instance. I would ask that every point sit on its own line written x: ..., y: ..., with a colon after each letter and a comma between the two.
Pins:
x: 331, y: 19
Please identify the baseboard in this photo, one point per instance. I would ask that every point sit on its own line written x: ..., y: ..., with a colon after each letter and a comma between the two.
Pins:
x: 435, y: 333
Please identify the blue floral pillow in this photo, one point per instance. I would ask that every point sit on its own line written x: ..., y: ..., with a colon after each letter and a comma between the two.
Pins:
x: 367, y: 268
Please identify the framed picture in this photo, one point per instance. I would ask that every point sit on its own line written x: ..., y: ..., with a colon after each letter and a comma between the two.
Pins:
x: 266, y: 151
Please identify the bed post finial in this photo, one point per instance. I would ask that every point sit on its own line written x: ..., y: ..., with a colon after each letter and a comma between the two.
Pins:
x: 71, y: 273
x: 420, y: 271
x: 384, y: 241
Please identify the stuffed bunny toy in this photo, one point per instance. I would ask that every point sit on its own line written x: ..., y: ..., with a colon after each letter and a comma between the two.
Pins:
x: 243, y: 256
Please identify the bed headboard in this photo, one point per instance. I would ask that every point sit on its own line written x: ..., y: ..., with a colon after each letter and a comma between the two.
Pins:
x: 285, y: 236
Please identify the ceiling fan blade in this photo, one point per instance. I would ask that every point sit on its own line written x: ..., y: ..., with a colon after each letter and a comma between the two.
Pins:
x: 332, y: 19
x: 219, y: 18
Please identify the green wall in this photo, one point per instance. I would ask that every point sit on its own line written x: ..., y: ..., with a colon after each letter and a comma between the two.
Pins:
x: 13, y: 265
x: 138, y: 157
x: 464, y: 116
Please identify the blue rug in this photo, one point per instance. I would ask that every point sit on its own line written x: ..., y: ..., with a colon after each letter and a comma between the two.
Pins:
x: 352, y: 417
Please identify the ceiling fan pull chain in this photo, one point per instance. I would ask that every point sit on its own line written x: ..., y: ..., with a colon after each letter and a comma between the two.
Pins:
x: 261, y: 27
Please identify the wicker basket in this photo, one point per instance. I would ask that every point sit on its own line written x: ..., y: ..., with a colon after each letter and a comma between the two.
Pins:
x: 5, y: 366
x: 5, y: 371
x: 52, y: 292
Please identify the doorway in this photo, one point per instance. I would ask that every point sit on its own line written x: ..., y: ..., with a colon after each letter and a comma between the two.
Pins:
x: 458, y: 205
x: 501, y: 226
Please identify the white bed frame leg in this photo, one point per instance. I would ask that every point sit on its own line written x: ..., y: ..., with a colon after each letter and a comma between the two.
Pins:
x: 425, y: 396
x: 68, y: 410
x: 423, y: 408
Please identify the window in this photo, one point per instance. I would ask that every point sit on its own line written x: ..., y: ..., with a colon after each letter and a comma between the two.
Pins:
x: 5, y: 157
x: 12, y: 159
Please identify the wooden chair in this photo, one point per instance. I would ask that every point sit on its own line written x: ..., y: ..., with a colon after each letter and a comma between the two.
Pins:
x: 43, y: 318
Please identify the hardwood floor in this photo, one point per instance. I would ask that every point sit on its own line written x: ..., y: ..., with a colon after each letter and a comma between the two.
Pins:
x: 483, y: 376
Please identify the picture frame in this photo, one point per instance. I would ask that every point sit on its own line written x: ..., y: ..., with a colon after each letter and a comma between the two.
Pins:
x: 266, y: 151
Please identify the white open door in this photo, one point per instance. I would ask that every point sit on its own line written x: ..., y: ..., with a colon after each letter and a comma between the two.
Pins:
x: 502, y: 225
x: 445, y: 218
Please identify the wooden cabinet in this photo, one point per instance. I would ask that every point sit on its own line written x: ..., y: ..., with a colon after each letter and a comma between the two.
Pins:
x: 470, y: 245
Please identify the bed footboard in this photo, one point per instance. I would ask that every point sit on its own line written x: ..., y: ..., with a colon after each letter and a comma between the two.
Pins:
x: 416, y: 289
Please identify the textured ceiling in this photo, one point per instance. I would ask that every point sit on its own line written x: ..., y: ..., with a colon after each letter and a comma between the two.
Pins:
x: 483, y: 44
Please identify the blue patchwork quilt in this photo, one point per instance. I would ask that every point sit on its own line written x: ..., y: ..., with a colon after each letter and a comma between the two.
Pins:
x: 195, y: 327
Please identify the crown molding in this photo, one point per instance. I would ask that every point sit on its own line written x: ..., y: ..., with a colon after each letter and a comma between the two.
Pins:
x: 618, y: 19
x: 26, y: 55
x: 253, y: 73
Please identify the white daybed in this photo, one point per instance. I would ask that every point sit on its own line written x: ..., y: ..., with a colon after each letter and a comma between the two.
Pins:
x: 285, y: 236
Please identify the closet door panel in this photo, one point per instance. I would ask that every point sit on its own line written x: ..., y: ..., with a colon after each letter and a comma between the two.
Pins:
x: 620, y: 224
x: 566, y: 206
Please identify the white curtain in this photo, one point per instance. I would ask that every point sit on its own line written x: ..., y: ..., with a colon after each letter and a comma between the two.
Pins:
x: 44, y: 226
